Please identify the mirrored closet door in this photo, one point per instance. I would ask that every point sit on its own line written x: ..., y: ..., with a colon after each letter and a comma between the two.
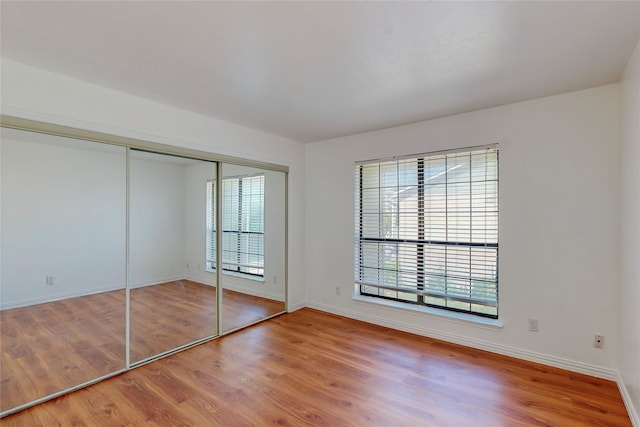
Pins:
x: 253, y: 239
x: 115, y: 252
x: 171, y: 282
x: 62, y: 282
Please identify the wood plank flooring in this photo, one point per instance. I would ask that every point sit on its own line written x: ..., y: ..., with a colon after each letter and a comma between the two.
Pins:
x: 316, y: 369
x: 240, y: 309
x: 169, y: 315
x: 50, y: 347
x: 173, y: 314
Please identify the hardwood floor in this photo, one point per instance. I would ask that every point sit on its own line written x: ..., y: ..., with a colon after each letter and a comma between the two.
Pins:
x: 53, y: 346
x: 173, y: 314
x: 50, y: 347
x: 314, y: 368
x: 170, y: 315
x: 240, y: 309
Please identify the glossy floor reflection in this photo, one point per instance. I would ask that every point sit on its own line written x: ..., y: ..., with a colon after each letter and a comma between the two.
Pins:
x: 314, y: 368
x: 46, y: 348
x: 173, y: 314
x: 50, y: 347
x: 169, y: 315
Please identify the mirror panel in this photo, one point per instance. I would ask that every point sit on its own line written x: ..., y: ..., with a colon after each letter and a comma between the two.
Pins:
x: 253, y: 245
x: 172, y: 295
x: 62, y: 281
x: 67, y: 226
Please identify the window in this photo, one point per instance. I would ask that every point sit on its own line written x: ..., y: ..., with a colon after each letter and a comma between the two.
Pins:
x: 427, y: 230
x: 243, y: 225
x: 211, y: 226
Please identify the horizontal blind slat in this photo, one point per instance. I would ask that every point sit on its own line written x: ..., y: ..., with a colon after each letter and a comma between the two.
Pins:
x: 429, y: 226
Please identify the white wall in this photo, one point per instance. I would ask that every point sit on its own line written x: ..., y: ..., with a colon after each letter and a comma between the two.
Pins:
x: 63, y: 215
x: 196, y: 221
x: 57, y: 193
x: 558, y: 225
x: 39, y: 95
x: 559, y: 206
x: 157, y: 220
x: 629, y: 321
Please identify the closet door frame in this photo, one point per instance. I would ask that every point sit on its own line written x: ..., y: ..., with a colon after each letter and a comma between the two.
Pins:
x: 143, y: 145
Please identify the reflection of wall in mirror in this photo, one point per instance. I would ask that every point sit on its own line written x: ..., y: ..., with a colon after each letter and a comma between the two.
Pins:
x: 157, y: 216
x: 47, y: 231
x: 63, y: 217
x: 195, y: 222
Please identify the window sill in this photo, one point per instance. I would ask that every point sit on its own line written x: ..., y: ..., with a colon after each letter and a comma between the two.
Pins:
x: 259, y: 279
x: 452, y: 316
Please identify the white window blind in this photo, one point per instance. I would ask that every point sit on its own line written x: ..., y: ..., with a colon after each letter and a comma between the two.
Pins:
x: 211, y: 226
x: 243, y: 225
x: 427, y: 230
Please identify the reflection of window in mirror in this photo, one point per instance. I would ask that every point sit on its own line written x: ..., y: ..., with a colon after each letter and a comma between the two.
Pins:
x: 243, y: 226
x: 211, y: 226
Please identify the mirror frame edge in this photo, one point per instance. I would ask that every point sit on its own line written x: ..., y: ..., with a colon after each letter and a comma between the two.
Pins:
x: 12, y: 122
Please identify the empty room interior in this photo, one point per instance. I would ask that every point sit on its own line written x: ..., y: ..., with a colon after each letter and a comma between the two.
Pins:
x: 320, y: 213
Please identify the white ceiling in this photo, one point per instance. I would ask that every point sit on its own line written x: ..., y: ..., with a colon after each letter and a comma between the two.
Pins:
x: 315, y: 70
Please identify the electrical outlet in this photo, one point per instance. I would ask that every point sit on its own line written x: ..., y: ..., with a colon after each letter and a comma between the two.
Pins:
x: 598, y: 341
x: 49, y: 281
x: 533, y: 325
x: 338, y: 290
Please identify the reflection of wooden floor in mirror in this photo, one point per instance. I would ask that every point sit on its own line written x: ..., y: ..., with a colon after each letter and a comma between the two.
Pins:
x: 172, y: 314
x: 169, y: 315
x: 56, y: 345
x: 240, y: 309
x: 49, y: 347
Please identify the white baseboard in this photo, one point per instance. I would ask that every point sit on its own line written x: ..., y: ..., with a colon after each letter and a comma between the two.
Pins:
x: 545, y: 359
x: 240, y: 288
x: 155, y: 282
x: 296, y: 306
x: 201, y: 280
x: 60, y: 296
x: 255, y: 292
x: 626, y: 397
x: 81, y: 293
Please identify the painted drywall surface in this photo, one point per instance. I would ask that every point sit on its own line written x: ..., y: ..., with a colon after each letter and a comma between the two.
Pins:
x: 1, y: 217
x: 629, y: 322
x: 157, y: 221
x: 275, y: 235
x: 558, y: 220
x: 64, y: 213
x: 196, y: 221
x: 36, y: 94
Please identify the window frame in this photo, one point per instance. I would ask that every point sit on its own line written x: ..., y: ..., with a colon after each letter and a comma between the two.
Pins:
x: 476, y: 307
x: 245, y: 237
x: 210, y: 226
